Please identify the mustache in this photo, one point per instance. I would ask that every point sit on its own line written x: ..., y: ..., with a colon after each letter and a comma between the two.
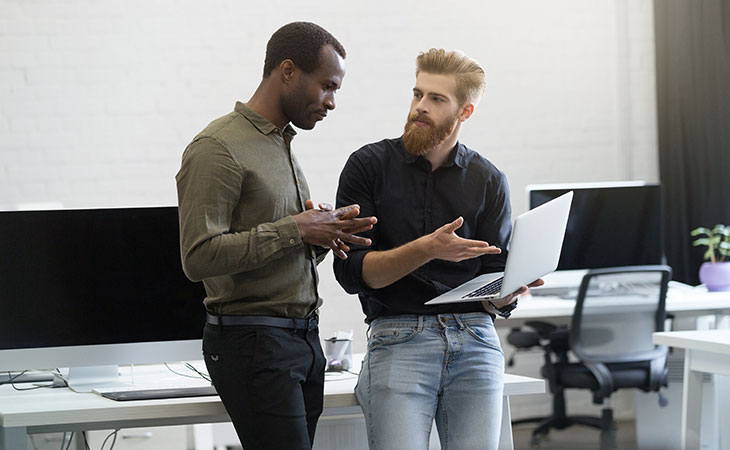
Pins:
x: 420, y: 118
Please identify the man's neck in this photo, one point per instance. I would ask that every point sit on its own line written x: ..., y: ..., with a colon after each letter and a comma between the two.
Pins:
x: 265, y: 102
x: 438, y: 155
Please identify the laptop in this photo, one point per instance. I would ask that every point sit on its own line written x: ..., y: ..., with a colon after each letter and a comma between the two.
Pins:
x: 537, y: 238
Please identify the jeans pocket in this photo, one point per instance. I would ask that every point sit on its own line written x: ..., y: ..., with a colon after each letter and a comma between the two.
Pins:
x: 385, y: 336
x: 485, y: 334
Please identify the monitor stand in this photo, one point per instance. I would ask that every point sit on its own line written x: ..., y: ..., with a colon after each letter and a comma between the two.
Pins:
x: 85, y: 379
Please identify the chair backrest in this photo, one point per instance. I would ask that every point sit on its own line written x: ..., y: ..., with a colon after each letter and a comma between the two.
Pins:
x: 616, y: 312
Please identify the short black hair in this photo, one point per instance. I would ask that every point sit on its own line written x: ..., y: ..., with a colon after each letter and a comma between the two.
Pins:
x: 301, y: 42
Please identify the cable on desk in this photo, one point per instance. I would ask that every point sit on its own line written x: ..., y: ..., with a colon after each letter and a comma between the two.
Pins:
x: 11, y: 382
x: 12, y: 378
x: 189, y: 366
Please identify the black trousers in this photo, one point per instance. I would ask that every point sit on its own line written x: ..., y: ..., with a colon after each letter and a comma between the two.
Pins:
x: 271, y: 382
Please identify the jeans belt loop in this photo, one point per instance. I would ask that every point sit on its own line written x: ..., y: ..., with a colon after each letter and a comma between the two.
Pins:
x: 459, y: 321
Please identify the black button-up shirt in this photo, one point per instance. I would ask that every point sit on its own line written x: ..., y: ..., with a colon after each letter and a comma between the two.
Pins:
x: 410, y: 200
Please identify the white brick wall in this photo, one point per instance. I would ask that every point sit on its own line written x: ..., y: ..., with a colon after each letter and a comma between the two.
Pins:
x: 99, y: 98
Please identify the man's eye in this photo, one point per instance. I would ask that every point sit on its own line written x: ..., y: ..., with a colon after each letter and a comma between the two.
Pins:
x: 416, y: 95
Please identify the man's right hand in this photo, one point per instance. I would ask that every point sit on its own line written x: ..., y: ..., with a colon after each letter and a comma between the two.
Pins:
x: 331, y: 228
x: 445, y: 244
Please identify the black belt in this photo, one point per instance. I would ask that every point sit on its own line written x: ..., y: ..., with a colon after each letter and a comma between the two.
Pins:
x: 269, y: 321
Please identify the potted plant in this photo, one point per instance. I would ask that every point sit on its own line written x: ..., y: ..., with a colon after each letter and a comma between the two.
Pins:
x: 715, y: 273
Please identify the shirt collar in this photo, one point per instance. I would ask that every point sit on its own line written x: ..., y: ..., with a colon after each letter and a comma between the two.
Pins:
x: 456, y: 156
x: 261, y: 124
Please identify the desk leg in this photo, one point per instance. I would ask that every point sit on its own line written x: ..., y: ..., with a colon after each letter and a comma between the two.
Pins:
x: 691, y: 404
x: 14, y: 438
x: 505, y: 432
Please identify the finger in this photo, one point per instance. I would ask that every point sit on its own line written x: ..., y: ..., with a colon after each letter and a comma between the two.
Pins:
x: 473, y: 243
x: 325, y: 207
x: 469, y: 254
x: 519, y: 291
x: 480, y: 250
x: 536, y: 283
x: 337, y: 250
x: 308, y: 204
x: 342, y: 246
x: 453, y: 226
x: 355, y: 224
x: 347, y: 212
x: 357, y: 229
x: 357, y: 240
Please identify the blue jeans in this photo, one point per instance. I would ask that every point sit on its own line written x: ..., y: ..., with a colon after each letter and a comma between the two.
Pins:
x: 418, y: 369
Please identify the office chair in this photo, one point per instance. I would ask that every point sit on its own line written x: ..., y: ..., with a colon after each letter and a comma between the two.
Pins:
x: 616, y: 311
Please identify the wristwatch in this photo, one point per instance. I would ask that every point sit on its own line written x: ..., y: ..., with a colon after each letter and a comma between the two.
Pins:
x: 506, y: 310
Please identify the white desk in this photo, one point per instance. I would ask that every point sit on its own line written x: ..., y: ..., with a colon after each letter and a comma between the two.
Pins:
x: 706, y: 351
x: 59, y: 410
x: 680, y: 300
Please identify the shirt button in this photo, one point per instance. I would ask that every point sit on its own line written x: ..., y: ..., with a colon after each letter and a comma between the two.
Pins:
x: 291, y: 241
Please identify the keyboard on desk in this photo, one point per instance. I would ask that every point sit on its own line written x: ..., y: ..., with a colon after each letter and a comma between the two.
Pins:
x: 159, y: 393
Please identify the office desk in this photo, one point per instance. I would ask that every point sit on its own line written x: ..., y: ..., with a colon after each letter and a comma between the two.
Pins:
x: 706, y: 351
x: 680, y: 301
x: 58, y: 410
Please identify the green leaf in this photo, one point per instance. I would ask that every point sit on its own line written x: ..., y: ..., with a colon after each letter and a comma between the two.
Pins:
x: 700, y: 230
x: 708, y: 254
x: 701, y: 241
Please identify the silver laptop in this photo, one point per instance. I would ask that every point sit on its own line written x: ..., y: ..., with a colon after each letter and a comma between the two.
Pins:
x: 537, y: 238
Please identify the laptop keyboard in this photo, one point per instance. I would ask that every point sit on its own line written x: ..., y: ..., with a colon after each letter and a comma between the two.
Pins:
x: 488, y: 289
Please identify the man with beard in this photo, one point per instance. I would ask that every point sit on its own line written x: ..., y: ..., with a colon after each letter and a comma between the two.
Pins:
x: 443, y: 218
x: 249, y: 231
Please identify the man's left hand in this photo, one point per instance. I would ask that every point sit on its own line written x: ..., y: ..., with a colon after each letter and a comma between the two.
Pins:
x: 511, y: 298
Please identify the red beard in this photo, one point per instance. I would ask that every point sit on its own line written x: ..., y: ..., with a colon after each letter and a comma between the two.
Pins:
x: 419, y: 140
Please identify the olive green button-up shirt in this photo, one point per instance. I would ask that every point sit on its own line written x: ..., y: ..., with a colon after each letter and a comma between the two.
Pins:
x: 238, y: 187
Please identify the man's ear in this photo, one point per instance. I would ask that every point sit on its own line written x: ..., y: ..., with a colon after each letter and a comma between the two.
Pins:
x: 466, y: 111
x: 287, y: 70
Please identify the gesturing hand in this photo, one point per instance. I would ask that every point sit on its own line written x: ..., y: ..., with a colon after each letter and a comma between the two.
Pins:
x: 332, y: 228
x: 445, y: 244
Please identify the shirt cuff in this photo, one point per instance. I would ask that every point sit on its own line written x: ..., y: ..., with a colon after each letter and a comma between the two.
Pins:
x: 355, y: 261
x: 289, y: 232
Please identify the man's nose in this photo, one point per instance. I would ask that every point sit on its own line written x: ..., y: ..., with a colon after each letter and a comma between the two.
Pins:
x: 329, y: 101
x: 420, y: 106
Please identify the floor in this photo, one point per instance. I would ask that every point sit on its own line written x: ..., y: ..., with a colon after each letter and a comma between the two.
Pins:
x: 574, y: 438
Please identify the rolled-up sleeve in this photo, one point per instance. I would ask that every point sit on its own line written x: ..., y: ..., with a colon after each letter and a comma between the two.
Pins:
x: 355, y: 187
x: 496, y: 224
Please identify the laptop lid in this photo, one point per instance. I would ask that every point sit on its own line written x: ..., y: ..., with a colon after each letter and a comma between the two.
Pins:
x: 537, y: 238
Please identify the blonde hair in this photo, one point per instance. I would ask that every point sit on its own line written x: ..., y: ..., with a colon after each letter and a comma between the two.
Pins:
x: 470, y: 77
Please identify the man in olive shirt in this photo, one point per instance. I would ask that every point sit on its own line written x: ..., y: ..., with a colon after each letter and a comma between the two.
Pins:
x: 249, y: 231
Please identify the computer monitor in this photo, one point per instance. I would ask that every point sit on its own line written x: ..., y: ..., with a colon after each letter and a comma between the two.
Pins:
x: 611, y: 224
x: 95, y: 288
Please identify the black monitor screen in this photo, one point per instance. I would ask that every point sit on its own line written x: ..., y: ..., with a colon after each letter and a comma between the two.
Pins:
x: 97, y: 276
x: 609, y: 226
